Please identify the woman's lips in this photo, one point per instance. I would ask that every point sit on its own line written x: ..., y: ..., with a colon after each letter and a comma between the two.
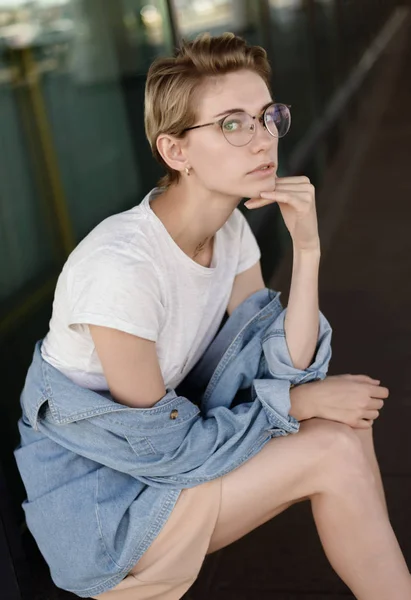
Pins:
x: 263, y: 172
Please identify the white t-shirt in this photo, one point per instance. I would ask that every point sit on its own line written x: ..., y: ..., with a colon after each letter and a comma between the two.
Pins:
x: 129, y: 274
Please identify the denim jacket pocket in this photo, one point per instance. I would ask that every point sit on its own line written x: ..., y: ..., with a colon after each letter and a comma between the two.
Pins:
x: 160, y: 442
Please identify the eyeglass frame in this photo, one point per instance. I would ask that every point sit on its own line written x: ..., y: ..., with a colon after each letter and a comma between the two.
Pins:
x: 260, y: 116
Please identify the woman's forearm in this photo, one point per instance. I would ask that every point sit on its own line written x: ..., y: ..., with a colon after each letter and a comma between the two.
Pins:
x: 302, y: 317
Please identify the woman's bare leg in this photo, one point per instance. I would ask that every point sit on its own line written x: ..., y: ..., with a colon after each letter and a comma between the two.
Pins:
x: 325, y: 462
x: 366, y: 438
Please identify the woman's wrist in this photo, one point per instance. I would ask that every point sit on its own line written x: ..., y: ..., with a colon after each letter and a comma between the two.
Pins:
x: 307, y: 254
x: 302, y: 406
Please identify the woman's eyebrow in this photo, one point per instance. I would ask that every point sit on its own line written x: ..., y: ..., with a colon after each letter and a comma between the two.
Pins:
x: 231, y: 110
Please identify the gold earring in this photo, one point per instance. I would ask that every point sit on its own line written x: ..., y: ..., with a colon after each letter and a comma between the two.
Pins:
x: 187, y: 170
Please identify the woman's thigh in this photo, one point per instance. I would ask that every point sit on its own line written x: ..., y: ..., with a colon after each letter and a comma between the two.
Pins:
x: 367, y: 442
x: 287, y: 470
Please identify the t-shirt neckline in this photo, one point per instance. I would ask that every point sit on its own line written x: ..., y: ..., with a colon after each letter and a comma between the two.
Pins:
x: 182, y: 255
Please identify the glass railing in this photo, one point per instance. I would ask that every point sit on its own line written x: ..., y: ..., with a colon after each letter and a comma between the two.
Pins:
x: 69, y: 156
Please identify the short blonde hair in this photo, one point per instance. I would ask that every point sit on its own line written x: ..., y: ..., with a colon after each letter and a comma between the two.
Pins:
x: 172, y: 82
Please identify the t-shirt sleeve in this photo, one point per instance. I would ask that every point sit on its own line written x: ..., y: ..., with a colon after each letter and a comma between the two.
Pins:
x: 249, y: 250
x: 117, y: 289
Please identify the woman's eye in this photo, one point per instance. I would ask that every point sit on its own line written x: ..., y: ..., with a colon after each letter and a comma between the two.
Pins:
x: 232, y: 125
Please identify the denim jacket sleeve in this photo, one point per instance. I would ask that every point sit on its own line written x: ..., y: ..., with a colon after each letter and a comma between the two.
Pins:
x: 278, y: 359
x: 172, y: 444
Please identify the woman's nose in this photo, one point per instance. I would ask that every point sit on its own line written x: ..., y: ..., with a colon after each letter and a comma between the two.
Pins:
x: 261, y: 137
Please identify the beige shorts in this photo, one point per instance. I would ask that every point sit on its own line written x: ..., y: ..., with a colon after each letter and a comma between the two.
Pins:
x: 172, y: 563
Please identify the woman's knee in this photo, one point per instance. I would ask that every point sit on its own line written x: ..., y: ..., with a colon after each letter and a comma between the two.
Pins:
x: 342, y: 460
x: 330, y: 435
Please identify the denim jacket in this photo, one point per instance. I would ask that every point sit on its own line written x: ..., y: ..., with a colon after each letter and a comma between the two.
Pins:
x: 102, y: 478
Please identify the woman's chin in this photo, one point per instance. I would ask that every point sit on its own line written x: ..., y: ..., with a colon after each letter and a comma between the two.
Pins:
x: 266, y: 185
x: 255, y: 193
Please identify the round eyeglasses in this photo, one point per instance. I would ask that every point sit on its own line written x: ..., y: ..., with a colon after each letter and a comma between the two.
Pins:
x: 239, y: 127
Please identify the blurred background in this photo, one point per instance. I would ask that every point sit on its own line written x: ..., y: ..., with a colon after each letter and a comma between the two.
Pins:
x: 73, y: 151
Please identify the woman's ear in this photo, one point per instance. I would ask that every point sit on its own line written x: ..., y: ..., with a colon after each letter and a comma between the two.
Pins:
x: 172, y: 151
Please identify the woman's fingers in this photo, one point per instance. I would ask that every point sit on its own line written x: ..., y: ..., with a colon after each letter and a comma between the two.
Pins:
x: 378, y: 391
x: 291, y: 187
x: 361, y: 378
x: 364, y: 424
x: 371, y: 414
x: 293, y: 198
x: 300, y: 199
x: 257, y: 203
x: 375, y: 404
x: 366, y: 379
x: 295, y: 179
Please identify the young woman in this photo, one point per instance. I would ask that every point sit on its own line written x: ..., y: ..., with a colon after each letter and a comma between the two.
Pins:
x: 129, y: 485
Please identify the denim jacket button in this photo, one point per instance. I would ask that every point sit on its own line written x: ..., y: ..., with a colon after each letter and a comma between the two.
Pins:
x: 174, y: 414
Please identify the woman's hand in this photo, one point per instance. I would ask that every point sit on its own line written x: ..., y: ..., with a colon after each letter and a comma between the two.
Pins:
x: 296, y: 198
x: 351, y: 399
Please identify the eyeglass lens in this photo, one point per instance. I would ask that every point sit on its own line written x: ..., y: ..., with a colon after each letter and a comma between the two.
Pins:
x: 238, y: 128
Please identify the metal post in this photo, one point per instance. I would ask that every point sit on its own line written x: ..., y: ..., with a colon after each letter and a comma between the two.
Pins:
x: 172, y: 15
x: 31, y: 79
